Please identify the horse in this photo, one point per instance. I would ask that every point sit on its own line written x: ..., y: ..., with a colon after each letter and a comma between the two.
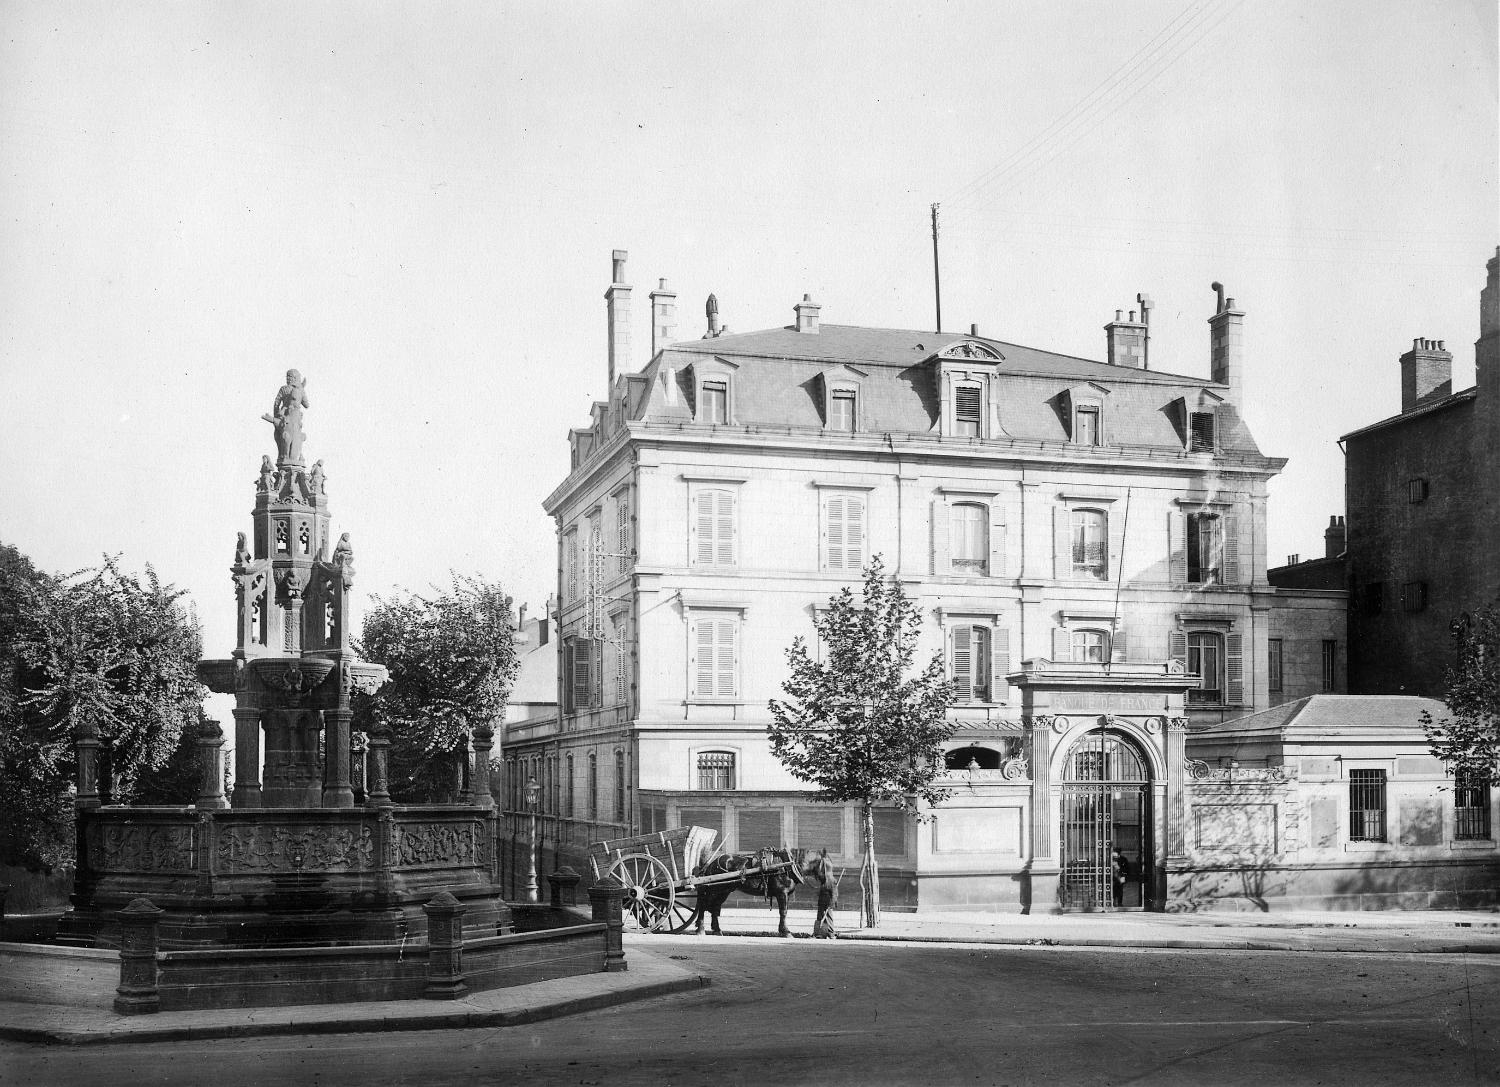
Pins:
x: 775, y: 886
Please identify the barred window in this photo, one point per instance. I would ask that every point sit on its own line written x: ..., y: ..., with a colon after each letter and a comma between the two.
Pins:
x: 1414, y: 596
x: 1416, y: 491
x: 716, y: 770
x: 1471, y: 809
x: 1330, y: 664
x: 1367, y: 805
x: 1274, y: 664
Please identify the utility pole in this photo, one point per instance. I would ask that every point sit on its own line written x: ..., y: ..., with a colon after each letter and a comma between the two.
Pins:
x: 937, y: 283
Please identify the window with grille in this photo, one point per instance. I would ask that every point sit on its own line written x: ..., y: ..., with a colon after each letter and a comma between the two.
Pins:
x: 843, y: 532
x: 1471, y: 809
x: 593, y: 785
x: 1414, y: 596
x: 967, y: 406
x: 716, y: 770
x: 969, y: 666
x: 713, y: 402
x: 1367, y: 805
x: 841, y: 407
x: 1330, y: 663
x: 969, y: 538
x: 1206, y: 660
x: 1091, y: 646
x: 1086, y: 426
x: 1416, y: 491
x: 1201, y: 432
x: 1205, y: 548
x: 713, y: 528
x: 715, y: 652
x: 620, y: 794
x: 1091, y: 544
x: 1274, y: 664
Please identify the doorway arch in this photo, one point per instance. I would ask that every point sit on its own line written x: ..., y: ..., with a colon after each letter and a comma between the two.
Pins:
x: 1105, y: 805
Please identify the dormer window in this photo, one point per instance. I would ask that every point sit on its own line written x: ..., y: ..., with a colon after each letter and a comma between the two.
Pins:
x: 713, y: 402
x: 968, y: 411
x: 712, y: 386
x: 1086, y: 426
x: 841, y: 410
x: 1201, y: 432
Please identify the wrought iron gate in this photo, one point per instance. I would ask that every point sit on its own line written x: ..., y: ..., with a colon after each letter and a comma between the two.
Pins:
x: 1105, y: 804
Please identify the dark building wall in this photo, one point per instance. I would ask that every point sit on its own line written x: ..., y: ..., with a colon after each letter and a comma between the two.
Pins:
x: 1399, y: 644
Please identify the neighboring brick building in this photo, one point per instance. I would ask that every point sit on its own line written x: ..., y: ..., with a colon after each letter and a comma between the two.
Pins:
x: 1423, y: 496
x: 1086, y: 541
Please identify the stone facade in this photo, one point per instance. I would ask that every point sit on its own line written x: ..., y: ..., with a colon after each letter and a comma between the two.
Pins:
x: 1038, y: 507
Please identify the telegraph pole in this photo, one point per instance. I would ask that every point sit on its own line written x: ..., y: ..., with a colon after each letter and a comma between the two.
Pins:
x: 937, y: 283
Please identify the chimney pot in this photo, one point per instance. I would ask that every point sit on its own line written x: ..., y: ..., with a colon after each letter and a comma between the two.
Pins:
x: 974, y: 330
x: 1426, y: 372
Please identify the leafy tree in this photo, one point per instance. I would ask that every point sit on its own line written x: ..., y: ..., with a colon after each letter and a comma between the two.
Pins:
x: 1469, y: 740
x: 861, y: 725
x: 452, y: 662
x: 102, y: 647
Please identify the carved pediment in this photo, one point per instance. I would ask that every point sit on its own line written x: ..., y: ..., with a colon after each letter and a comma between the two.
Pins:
x: 971, y: 350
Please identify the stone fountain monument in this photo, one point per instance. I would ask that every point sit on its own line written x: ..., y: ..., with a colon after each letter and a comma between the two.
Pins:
x: 300, y: 858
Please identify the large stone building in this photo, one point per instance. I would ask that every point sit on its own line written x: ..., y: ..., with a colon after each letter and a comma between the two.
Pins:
x: 1423, y: 496
x: 1086, y: 540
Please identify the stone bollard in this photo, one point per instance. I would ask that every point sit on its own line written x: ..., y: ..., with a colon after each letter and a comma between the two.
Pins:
x: 564, y: 882
x: 445, y: 947
x: 606, y: 899
x: 137, y: 992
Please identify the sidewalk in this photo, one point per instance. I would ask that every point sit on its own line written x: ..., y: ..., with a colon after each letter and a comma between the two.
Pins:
x: 88, y: 1018
x: 1411, y: 932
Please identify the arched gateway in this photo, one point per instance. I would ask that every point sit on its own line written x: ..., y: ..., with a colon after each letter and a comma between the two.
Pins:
x: 1104, y: 804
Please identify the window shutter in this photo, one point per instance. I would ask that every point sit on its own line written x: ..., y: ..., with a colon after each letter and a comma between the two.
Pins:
x: 727, y: 664
x: 1177, y: 551
x: 854, y: 533
x: 999, y: 665
x: 703, y: 528
x: 703, y: 658
x: 940, y: 529
x: 1062, y: 543
x: 622, y: 524
x: 997, y: 540
x: 1235, y: 668
x: 1115, y: 531
x: 1231, y: 550
x: 1177, y: 646
x: 963, y: 662
x: 597, y: 686
x: 568, y: 677
x: 833, y: 533
x: 724, y: 515
x: 1118, y: 646
x: 582, y: 655
x: 1062, y: 644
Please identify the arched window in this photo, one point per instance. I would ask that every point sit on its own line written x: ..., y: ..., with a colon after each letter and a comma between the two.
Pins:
x: 1103, y: 755
x: 1091, y: 544
x: 972, y: 757
x: 969, y: 538
x: 1206, y: 659
x: 716, y: 770
x: 1091, y: 646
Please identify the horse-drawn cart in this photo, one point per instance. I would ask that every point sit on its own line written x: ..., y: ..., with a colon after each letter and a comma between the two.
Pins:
x: 661, y: 873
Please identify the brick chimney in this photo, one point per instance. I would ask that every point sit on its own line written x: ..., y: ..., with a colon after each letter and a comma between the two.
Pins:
x: 617, y: 307
x: 807, y: 314
x: 1487, y: 347
x: 1127, y: 341
x: 1426, y: 373
x: 1335, y: 538
x: 1226, y: 335
x: 663, y: 317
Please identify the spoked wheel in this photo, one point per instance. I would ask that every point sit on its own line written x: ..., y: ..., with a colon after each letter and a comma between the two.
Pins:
x: 649, y: 895
x: 684, y: 910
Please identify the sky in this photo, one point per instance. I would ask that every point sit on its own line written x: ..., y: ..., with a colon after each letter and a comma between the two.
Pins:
x: 415, y: 205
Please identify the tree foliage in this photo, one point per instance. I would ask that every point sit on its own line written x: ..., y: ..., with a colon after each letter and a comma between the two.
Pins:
x: 1468, y: 740
x: 101, y: 648
x: 452, y: 661
x: 862, y: 724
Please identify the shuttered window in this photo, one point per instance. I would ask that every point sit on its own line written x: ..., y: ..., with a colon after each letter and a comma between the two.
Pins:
x: 1205, y: 658
x: 621, y: 795
x: 1091, y: 544
x: 1201, y: 432
x: 582, y: 656
x: 620, y: 652
x: 969, y: 663
x: 593, y: 785
x: 966, y: 411
x: 715, y: 657
x: 622, y: 531
x: 713, y: 529
x: 968, y: 538
x: 843, y: 532
x: 1205, y: 548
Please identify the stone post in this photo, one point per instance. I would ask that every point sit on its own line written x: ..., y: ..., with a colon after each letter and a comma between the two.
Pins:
x: 359, y: 745
x: 246, y: 757
x: 86, y: 746
x: 484, y: 740
x: 564, y: 882
x: 1176, y: 788
x: 137, y: 992
x: 445, y: 947
x: 211, y: 764
x: 379, y: 766
x: 463, y: 756
x: 337, y: 792
x: 606, y: 900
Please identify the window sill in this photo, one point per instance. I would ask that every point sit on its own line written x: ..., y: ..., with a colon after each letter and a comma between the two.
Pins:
x: 1366, y: 847
x: 1463, y: 845
x: 713, y: 702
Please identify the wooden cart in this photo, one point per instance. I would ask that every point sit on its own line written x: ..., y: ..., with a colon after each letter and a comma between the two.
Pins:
x: 657, y: 872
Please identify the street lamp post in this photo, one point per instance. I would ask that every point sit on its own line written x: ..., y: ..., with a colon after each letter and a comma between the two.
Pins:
x: 531, y: 794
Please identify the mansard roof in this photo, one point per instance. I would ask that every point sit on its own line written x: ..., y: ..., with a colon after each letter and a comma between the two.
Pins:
x: 778, y: 376
x: 1328, y: 716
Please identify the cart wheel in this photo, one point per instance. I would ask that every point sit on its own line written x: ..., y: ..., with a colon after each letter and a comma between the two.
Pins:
x: 649, y: 894
x: 684, y: 910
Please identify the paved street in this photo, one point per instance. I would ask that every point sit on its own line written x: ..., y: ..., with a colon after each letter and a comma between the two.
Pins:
x: 860, y: 1013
